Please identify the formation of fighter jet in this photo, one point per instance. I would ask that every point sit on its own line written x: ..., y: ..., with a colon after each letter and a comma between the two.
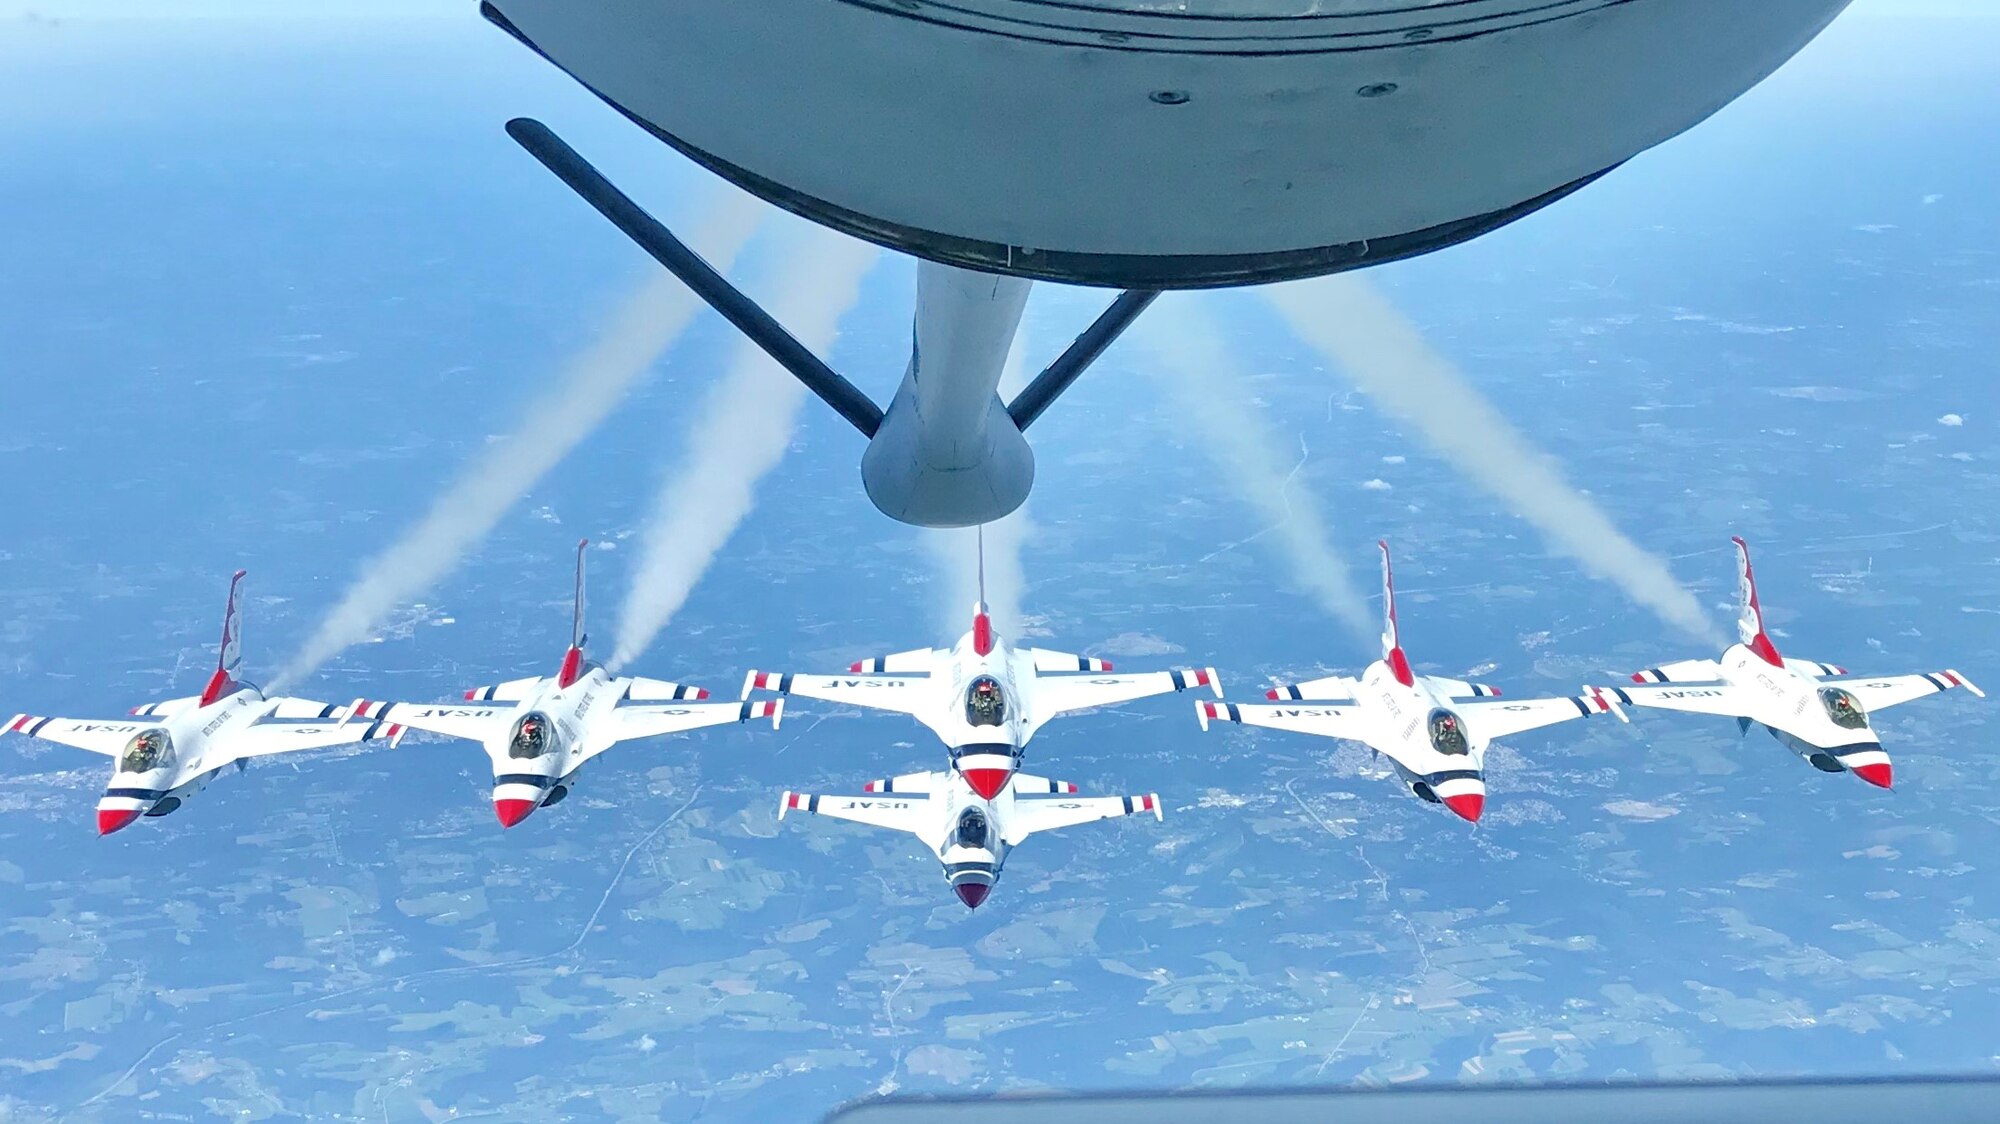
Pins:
x: 184, y: 743
x: 1814, y: 709
x: 1434, y: 730
x: 552, y: 725
x: 984, y: 699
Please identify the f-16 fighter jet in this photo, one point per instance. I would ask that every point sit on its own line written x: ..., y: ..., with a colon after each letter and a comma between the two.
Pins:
x: 970, y: 833
x: 982, y: 696
x: 1434, y: 730
x: 182, y: 744
x: 553, y: 724
x: 1813, y: 708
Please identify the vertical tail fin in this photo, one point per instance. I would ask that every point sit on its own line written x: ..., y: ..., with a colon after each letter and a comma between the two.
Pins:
x: 1750, y: 623
x: 982, y: 624
x: 1392, y: 644
x: 576, y: 634
x: 230, y: 656
x: 572, y: 665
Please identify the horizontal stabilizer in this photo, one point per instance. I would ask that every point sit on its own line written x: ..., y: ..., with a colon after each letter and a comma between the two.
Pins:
x: 1681, y: 671
x: 1047, y: 660
x: 640, y: 689
x: 513, y: 690
x: 1027, y: 784
x: 914, y: 661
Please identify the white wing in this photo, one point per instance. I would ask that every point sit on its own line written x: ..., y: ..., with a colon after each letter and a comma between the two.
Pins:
x: 628, y: 723
x: 1045, y: 813
x: 1062, y: 694
x: 107, y: 738
x: 903, y: 694
x: 910, y: 813
x: 1695, y: 698
x: 1501, y: 717
x: 651, y: 721
x: 1348, y: 722
x: 471, y: 722
x: 1892, y: 690
x: 267, y: 738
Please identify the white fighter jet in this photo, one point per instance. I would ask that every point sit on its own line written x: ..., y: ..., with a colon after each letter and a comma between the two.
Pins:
x: 1434, y: 730
x: 1813, y: 708
x: 185, y: 743
x: 553, y: 724
x: 982, y: 696
x: 971, y: 833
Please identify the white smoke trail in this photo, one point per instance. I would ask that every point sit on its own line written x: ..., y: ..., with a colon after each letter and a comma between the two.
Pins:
x: 1207, y: 387
x: 1357, y: 328
x: 575, y: 404
x: 739, y: 434
x: 957, y: 549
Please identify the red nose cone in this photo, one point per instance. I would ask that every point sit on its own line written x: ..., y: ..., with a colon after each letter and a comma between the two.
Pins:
x: 1468, y: 805
x: 1877, y: 775
x: 111, y: 819
x: 512, y: 812
x: 982, y: 634
x: 987, y: 782
x: 972, y: 893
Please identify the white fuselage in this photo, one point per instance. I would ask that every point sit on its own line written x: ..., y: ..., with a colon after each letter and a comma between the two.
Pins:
x: 1788, y: 704
x: 1401, y: 723
x: 971, y: 865
x: 199, y: 737
x: 524, y: 782
x: 945, y: 711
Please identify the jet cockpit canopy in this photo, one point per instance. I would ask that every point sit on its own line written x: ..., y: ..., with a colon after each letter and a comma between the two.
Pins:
x: 985, y: 705
x: 1447, y: 731
x: 148, y: 750
x: 973, y: 830
x: 534, y: 736
x: 1843, y: 708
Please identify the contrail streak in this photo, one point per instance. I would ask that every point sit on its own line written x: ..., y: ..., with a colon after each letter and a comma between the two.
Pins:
x: 1357, y: 328
x: 740, y: 433
x: 957, y: 549
x: 553, y: 424
x: 1210, y: 397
